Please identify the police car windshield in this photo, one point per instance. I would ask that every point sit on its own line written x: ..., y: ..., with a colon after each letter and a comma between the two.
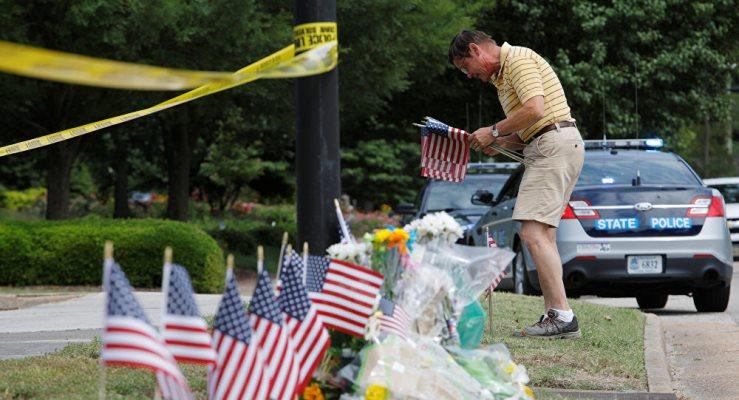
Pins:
x: 730, y: 192
x: 447, y: 195
x: 611, y: 170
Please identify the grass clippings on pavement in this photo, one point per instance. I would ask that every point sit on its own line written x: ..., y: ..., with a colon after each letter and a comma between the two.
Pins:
x: 15, y: 297
x: 609, y: 356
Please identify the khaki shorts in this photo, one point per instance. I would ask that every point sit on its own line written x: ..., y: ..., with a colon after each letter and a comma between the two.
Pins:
x: 553, y: 164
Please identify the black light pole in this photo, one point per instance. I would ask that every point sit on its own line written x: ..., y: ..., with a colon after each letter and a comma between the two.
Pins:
x: 317, y: 143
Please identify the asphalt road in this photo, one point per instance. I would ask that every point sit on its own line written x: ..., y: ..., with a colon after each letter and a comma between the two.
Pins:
x: 702, y: 349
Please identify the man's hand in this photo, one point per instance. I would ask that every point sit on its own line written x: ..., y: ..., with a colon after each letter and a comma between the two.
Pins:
x: 490, y: 151
x: 482, y: 138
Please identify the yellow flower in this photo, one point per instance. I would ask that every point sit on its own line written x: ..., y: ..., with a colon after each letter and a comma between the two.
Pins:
x: 382, y: 235
x: 312, y: 392
x: 510, y: 368
x: 527, y: 390
x: 386, y: 208
x: 376, y: 392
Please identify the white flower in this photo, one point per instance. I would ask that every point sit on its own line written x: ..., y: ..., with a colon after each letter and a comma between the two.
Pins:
x: 356, y: 253
x: 439, y: 225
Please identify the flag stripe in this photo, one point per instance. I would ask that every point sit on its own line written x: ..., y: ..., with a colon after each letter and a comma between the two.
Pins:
x: 358, y: 272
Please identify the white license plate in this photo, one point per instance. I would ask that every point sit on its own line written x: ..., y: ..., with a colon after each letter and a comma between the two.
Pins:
x: 644, y: 264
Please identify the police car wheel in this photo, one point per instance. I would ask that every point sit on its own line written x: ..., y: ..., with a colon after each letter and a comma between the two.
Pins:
x: 714, y: 299
x: 651, y: 301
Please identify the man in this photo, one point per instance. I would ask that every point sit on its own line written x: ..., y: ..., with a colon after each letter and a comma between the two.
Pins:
x: 538, y: 120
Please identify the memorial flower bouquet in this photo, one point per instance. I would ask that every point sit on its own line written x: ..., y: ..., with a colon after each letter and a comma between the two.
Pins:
x: 357, y: 253
x: 436, y: 228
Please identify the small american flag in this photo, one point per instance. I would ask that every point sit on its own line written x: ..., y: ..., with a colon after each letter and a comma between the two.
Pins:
x: 240, y: 371
x: 185, y: 332
x: 394, y: 319
x: 309, y: 336
x: 492, y: 243
x: 268, y: 322
x: 445, y: 151
x: 491, y: 240
x: 344, y: 294
x: 130, y: 340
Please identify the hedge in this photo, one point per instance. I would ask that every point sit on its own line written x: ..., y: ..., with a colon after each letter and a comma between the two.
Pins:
x: 244, y: 236
x: 70, y: 252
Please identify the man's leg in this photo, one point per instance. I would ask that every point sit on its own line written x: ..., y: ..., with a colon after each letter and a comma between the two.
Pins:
x: 558, y: 321
x: 540, y: 239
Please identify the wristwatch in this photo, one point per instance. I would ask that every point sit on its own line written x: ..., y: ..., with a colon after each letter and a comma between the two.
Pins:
x: 494, y: 131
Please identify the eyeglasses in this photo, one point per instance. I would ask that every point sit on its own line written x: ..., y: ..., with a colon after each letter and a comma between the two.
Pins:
x: 463, y: 66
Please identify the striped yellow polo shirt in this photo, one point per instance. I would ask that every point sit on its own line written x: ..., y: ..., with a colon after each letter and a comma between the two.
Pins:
x: 524, y: 74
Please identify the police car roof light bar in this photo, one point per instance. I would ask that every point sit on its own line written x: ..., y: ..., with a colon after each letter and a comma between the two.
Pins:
x: 493, y: 165
x: 653, y: 143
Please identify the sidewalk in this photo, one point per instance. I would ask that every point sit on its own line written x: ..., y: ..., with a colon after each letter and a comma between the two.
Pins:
x: 698, y: 350
x: 48, y: 327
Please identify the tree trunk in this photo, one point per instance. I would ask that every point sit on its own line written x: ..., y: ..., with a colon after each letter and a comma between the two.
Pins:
x: 120, y: 166
x: 179, y: 141
x: 60, y: 158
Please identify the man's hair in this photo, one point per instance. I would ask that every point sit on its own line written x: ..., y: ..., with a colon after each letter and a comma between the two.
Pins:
x: 460, y: 45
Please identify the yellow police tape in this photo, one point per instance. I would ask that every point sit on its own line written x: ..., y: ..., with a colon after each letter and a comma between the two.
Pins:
x: 82, y: 70
x: 310, y: 35
x: 281, y: 64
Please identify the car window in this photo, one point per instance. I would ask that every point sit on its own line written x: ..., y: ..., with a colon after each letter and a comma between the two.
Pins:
x: 448, y: 195
x: 622, y: 171
x: 511, y: 189
x: 730, y: 192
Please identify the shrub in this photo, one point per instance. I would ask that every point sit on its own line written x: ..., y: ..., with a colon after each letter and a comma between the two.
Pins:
x: 70, y: 252
x: 16, y: 200
x: 361, y: 223
x: 242, y: 237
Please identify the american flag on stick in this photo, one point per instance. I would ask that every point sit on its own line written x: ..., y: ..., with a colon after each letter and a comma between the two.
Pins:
x: 268, y: 322
x: 184, y: 330
x: 344, y: 294
x: 394, y: 319
x: 492, y: 243
x: 445, y: 151
x: 130, y: 340
x: 309, y: 336
x: 240, y: 372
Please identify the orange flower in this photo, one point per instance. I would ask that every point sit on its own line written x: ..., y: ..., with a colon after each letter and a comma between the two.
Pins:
x: 398, y: 237
x: 312, y: 392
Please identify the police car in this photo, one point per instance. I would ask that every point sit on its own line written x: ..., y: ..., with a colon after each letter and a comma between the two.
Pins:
x: 640, y: 223
x: 454, y: 198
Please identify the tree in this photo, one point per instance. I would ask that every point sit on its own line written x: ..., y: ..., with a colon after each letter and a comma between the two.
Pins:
x: 669, y: 57
x: 105, y: 29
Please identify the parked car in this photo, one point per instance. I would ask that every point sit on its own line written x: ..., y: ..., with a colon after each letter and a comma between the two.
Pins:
x: 729, y: 187
x: 454, y: 198
x: 639, y: 223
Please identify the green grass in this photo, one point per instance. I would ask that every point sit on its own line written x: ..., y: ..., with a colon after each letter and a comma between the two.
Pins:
x: 609, y: 356
x: 74, y: 373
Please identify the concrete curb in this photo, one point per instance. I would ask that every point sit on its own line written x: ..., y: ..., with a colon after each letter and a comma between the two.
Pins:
x: 545, y: 393
x: 655, y: 361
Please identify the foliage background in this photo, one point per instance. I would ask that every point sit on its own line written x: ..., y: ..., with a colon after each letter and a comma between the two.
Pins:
x: 661, y: 68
